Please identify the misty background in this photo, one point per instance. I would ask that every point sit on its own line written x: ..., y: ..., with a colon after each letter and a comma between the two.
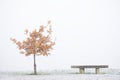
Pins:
x: 86, y: 32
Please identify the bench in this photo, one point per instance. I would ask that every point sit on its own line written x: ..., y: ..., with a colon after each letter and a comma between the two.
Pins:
x: 82, y: 67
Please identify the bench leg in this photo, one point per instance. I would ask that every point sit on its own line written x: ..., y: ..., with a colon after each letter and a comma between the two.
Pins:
x: 82, y: 70
x: 97, y: 71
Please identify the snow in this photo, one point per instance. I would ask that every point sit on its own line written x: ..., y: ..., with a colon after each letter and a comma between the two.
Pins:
x: 61, y: 75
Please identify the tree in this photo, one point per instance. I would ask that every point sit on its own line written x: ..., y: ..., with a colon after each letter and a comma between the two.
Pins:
x: 38, y: 42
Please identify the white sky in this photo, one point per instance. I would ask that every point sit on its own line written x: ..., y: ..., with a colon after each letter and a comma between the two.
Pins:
x: 87, y: 32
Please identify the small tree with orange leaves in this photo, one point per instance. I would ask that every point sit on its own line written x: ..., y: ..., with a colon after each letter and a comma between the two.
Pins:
x: 38, y: 42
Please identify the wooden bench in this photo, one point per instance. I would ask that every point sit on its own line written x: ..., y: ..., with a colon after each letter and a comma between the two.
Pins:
x: 82, y: 67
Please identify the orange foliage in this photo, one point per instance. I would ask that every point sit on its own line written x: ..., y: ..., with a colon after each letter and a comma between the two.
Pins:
x: 37, y: 42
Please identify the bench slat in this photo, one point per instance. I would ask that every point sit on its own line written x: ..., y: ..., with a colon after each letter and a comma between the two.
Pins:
x: 89, y: 66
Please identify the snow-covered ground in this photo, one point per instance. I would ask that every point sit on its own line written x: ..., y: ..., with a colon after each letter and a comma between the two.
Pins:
x: 60, y: 75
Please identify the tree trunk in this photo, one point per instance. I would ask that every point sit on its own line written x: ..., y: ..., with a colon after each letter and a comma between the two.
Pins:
x: 34, y: 56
